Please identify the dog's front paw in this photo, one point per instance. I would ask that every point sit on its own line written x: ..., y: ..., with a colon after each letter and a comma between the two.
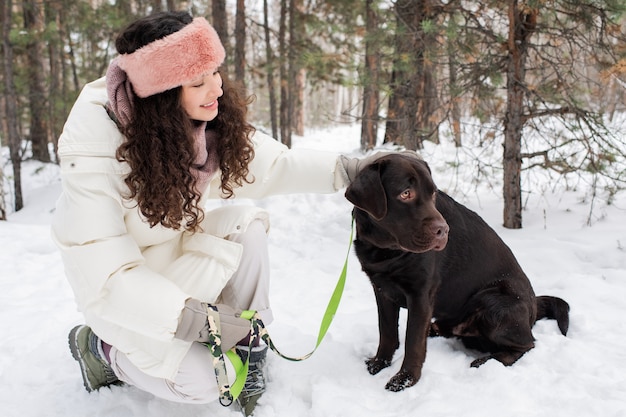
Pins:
x: 480, y: 361
x: 400, y: 381
x: 375, y: 365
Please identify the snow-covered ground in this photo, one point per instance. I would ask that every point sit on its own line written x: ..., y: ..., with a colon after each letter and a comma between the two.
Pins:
x: 583, y: 374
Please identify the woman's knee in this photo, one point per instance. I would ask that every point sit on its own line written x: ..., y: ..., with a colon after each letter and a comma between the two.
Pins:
x: 195, y: 381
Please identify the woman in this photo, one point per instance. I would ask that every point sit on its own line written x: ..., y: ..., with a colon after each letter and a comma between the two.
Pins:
x: 141, y: 152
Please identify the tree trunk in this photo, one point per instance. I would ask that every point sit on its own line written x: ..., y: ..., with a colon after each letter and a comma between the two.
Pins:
x: 427, y: 107
x: 521, y: 25
x: 299, y: 114
x: 65, y: 106
x: 455, y: 108
x: 3, y: 204
x: 426, y: 127
x: 297, y: 74
x: 74, y: 67
x: 409, y: 73
x: 292, y: 64
x: 392, y: 134
x: 285, y: 99
x: 453, y: 89
x: 33, y: 25
x: 220, y: 24
x: 54, y: 85
x: 369, y: 120
x: 240, y: 43
x: 157, y: 5
x: 269, y: 56
x: 11, y: 106
x: 413, y: 91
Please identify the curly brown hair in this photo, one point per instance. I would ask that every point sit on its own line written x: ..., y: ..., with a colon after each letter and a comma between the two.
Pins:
x: 159, y: 146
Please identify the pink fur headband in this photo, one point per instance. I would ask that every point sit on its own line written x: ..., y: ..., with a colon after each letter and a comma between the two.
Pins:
x: 174, y: 60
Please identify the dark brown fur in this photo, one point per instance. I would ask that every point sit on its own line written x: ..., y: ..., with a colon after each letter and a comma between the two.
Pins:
x: 425, y: 252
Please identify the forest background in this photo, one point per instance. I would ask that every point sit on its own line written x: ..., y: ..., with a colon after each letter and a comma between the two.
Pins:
x: 544, y: 79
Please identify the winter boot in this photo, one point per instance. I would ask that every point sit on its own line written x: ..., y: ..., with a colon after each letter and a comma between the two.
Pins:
x: 254, y: 386
x: 87, y: 350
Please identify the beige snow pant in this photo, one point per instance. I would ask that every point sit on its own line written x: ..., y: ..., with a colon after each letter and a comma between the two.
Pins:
x: 248, y: 289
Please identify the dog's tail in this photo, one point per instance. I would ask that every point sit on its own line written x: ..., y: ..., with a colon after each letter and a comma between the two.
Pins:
x: 553, y: 308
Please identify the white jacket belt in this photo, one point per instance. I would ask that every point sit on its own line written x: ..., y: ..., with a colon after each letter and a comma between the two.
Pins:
x: 130, y: 280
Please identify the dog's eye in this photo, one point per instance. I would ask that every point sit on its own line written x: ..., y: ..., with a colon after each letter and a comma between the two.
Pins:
x: 407, y: 195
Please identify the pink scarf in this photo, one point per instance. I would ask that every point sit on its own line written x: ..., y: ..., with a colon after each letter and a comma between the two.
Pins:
x: 121, y: 96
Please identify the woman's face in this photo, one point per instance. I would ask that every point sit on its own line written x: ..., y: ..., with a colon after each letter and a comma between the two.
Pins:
x: 199, y: 97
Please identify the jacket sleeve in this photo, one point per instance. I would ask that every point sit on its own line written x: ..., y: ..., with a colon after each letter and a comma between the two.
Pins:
x: 277, y: 169
x: 104, y: 264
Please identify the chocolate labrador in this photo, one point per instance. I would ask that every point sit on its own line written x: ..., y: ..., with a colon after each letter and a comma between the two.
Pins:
x: 425, y: 252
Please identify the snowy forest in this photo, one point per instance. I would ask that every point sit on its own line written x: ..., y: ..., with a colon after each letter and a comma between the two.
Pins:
x: 519, y: 108
x: 407, y: 71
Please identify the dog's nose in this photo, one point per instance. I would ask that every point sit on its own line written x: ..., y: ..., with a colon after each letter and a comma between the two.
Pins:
x: 440, y: 229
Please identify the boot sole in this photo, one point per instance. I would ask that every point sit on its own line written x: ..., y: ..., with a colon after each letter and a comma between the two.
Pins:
x: 73, y: 343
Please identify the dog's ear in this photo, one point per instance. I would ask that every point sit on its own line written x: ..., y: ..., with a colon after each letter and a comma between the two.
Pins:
x: 425, y: 164
x: 367, y: 193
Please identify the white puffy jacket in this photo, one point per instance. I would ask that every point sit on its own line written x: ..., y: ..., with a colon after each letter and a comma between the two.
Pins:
x: 130, y: 280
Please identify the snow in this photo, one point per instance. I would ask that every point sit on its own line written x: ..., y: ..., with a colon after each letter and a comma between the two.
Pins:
x: 568, y: 246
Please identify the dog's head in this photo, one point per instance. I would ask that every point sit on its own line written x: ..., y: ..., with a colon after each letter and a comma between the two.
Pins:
x: 398, y: 195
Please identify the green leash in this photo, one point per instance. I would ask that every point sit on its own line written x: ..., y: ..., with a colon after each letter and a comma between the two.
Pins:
x: 257, y: 330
